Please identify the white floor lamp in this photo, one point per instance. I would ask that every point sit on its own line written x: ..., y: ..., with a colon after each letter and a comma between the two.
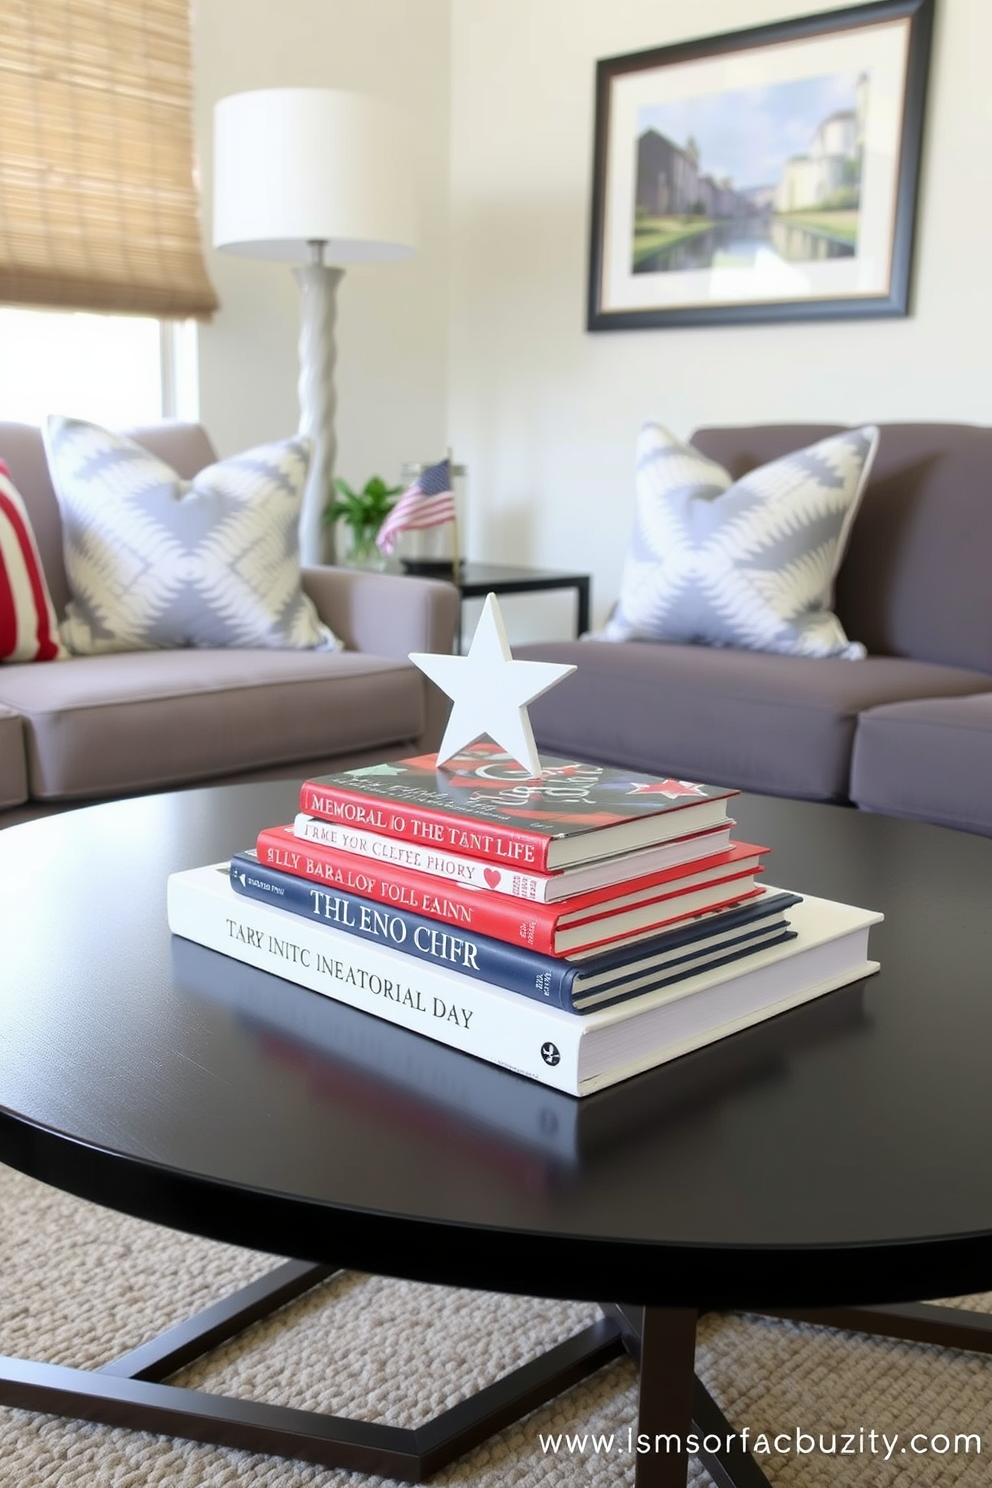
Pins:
x: 320, y: 178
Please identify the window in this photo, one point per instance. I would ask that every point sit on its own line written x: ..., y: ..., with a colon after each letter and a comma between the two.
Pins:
x: 115, y: 370
x: 99, y: 212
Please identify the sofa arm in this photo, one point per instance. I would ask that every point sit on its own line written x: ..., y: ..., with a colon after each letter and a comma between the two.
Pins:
x: 13, y: 759
x: 385, y: 614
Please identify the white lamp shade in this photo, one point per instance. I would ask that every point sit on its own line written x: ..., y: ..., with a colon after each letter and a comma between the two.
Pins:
x: 299, y: 165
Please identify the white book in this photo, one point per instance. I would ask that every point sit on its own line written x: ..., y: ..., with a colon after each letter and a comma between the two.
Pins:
x: 544, y: 888
x: 575, y: 1054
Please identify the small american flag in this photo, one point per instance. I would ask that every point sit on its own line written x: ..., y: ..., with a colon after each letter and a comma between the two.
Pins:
x: 429, y: 502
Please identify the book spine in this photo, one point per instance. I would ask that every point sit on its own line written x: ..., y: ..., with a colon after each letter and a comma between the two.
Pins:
x: 483, y: 1021
x: 580, y: 922
x: 524, y: 972
x: 438, y: 862
x: 473, y: 911
x: 510, y: 846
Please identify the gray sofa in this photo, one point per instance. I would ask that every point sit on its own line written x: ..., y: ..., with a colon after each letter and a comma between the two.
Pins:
x: 906, y: 731
x: 94, y: 727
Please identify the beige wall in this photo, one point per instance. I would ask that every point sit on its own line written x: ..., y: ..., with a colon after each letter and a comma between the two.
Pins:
x: 545, y: 414
x: 391, y: 329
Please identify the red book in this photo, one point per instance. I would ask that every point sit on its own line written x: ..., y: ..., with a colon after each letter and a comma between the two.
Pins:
x: 482, y: 803
x: 613, y: 915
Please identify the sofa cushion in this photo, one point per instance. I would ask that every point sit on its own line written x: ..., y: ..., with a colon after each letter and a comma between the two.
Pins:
x: 747, y: 563
x: 155, y: 561
x: 13, y: 765
x: 106, y: 725
x: 184, y: 446
x: 914, y: 581
x: 779, y: 724
x: 28, y: 625
x: 931, y: 760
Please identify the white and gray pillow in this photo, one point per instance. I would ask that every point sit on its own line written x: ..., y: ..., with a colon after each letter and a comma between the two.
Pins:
x: 747, y: 564
x: 154, y: 561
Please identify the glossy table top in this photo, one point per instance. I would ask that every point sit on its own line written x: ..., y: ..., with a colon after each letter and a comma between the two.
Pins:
x: 837, y: 1153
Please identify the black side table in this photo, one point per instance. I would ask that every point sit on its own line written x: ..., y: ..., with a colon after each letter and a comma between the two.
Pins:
x: 476, y: 580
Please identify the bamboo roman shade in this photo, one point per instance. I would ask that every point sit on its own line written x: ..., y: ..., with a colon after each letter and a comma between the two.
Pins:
x: 99, y: 208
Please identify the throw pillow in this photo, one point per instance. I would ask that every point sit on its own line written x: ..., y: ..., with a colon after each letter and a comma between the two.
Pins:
x: 29, y: 629
x: 154, y: 561
x: 749, y: 563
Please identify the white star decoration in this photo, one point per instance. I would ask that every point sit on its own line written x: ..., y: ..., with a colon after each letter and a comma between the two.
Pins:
x: 490, y: 690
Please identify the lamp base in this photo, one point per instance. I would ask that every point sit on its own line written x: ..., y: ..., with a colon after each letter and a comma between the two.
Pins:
x: 318, y: 403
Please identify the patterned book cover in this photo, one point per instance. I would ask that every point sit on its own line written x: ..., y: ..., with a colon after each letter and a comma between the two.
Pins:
x: 482, y: 802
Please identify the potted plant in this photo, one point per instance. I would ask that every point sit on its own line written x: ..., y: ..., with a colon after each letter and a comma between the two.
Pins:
x: 363, y: 513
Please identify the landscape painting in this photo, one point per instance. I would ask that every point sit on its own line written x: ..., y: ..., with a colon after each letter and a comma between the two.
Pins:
x: 725, y: 177
x: 762, y: 175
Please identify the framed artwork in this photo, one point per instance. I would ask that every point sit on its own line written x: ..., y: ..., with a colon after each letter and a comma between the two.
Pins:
x: 762, y: 175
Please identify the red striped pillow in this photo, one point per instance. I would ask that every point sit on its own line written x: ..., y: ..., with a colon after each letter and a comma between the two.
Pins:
x: 29, y: 630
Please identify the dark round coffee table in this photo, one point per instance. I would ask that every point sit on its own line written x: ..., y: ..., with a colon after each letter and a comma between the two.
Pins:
x: 834, y: 1156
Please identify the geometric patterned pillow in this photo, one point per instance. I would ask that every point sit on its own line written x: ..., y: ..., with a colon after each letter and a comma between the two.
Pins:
x: 750, y: 563
x: 29, y: 627
x: 155, y: 561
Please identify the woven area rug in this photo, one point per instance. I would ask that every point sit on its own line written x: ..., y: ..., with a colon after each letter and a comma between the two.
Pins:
x: 79, y: 1285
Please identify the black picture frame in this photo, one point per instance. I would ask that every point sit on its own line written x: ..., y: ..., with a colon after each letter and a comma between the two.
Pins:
x: 672, y: 230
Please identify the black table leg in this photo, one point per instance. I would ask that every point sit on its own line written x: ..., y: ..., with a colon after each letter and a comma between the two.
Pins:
x: 582, y: 608
x: 523, y: 581
x: 664, y: 1409
x: 130, y: 1391
x: 913, y: 1322
x: 677, y: 1416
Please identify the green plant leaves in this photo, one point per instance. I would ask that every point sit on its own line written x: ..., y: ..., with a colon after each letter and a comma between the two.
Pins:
x: 363, y: 511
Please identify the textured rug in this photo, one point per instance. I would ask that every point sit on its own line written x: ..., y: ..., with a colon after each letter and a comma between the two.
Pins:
x: 79, y: 1285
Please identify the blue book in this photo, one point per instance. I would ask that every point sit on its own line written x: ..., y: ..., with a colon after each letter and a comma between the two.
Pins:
x: 575, y: 984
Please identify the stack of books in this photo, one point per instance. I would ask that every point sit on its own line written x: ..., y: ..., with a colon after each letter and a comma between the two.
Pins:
x: 577, y: 928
